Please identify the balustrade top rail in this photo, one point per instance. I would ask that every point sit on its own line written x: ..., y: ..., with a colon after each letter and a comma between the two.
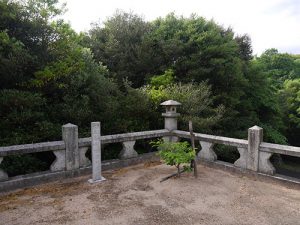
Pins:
x: 280, y: 149
x: 115, y: 138
x: 264, y: 146
x: 214, y: 139
x: 82, y: 142
x: 32, y: 148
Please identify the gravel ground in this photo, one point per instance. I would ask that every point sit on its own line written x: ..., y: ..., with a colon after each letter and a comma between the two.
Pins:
x: 134, y: 196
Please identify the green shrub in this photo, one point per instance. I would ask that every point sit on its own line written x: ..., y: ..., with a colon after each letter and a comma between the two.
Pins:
x: 176, y: 154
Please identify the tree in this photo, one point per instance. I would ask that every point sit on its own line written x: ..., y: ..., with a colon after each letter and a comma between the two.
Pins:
x: 245, y: 47
x: 118, y: 45
x: 176, y: 154
x: 258, y: 106
x: 23, y: 118
x: 204, y: 115
x: 279, y: 66
x: 290, y: 101
x: 53, y: 65
x: 13, y: 61
x: 28, y: 24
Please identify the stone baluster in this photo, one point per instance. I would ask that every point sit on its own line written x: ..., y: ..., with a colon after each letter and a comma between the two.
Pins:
x: 264, y: 164
x: 3, y: 174
x: 128, y: 150
x: 60, y: 161
x: 242, y: 161
x: 207, y: 153
x: 84, y: 161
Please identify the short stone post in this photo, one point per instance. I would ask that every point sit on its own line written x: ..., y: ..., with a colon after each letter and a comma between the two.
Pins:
x: 255, y: 137
x: 96, y: 153
x: 171, y: 118
x: 70, y: 137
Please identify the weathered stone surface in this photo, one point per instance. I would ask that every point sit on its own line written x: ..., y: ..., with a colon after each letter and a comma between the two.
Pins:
x: 70, y: 137
x: 212, y: 138
x: 255, y: 137
x: 265, y: 166
x: 207, y: 153
x: 280, y: 149
x: 23, y: 181
x: 84, y: 161
x: 60, y: 161
x: 117, y: 138
x: 242, y: 161
x: 96, y: 153
x: 170, y: 103
x: 171, y: 108
x: 171, y: 123
x: 128, y: 150
x: 3, y: 174
x: 171, y: 118
x: 171, y: 139
x: 31, y: 148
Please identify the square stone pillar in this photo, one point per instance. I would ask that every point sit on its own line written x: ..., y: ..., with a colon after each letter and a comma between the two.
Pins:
x: 70, y: 137
x: 255, y: 137
x: 96, y: 153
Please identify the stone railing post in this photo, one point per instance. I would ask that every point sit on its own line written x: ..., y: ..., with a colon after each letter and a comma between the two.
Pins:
x: 257, y: 160
x: 255, y: 137
x: 96, y: 153
x: 70, y: 137
x: 171, y: 118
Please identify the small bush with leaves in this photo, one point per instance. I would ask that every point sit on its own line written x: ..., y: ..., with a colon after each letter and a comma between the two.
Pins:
x: 176, y: 154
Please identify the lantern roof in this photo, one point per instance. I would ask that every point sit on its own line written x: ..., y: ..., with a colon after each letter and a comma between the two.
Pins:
x: 170, y: 103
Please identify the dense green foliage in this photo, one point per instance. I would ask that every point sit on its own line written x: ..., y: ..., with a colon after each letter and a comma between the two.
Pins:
x: 204, y: 116
x: 290, y: 97
x: 120, y: 71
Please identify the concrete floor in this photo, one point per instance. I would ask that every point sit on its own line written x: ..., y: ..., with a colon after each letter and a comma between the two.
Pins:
x: 135, y: 196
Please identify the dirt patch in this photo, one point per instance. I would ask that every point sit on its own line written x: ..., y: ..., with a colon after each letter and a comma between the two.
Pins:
x: 135, y: 196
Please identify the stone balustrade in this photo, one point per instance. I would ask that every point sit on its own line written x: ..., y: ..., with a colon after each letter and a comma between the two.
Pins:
x: 70, y: 153
x: 254, y: 154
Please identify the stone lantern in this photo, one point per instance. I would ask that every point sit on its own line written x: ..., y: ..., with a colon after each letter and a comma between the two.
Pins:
x: 171, y: 117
